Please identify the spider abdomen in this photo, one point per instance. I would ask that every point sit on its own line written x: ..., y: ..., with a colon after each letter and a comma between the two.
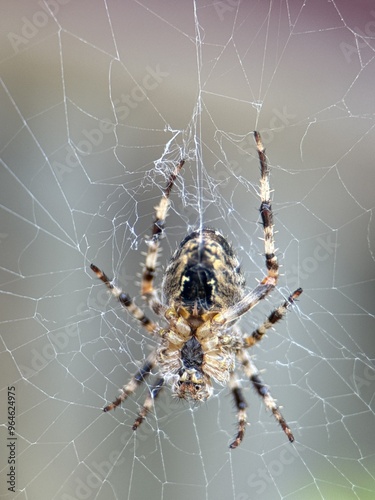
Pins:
x: 204, y: 273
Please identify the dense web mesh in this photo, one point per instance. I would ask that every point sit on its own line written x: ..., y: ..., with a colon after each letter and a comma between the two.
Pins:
x: 100, y: 100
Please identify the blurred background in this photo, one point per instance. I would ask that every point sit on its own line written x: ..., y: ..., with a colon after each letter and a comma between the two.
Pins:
x: 100, y: 100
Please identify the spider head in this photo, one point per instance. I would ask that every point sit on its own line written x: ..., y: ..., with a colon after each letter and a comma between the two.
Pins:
x: 192, y: 384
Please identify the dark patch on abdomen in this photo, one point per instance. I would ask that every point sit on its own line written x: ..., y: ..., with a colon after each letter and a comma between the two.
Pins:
x: 196, y: 286
x: 204, y: 273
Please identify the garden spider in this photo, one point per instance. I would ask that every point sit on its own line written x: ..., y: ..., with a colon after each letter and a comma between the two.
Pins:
x: 203, y: 296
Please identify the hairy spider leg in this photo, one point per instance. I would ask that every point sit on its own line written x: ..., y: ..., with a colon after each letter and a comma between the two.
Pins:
x: 149, y: 402
x: 137, y: 379
x: 252, y: 372
x: 275, y: 316
x: 161, y: 211
x: 266, y: 213
x: 143, y: 372
x: 269, y: 282
x: 126, y: 301
x: 148, y: 292
x: 241, y: 406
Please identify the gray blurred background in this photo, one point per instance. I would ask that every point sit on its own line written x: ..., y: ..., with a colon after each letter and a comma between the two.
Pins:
x: 99, y: 101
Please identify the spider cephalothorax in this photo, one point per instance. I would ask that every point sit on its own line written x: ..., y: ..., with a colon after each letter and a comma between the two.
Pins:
x: 203, y: 296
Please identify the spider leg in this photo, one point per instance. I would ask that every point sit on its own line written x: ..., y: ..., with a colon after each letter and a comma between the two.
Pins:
x: 241, y: 406
x: 252, y: 372
x: 275, y: 316
x: 149, y: 403
x: 266, y: 213
x: 161, y: 210
x: 126, y: 301
x: 137, y: 379
x: 269, y: 282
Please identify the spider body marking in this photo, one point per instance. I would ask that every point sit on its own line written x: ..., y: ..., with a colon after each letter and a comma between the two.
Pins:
x: 203, y: 297
x: 202, y: 278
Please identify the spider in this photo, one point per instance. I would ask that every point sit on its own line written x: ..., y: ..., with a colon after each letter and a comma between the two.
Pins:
x: 203, y: 296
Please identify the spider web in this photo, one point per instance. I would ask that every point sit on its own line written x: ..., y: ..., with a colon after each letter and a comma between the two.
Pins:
x: 100, y: 100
